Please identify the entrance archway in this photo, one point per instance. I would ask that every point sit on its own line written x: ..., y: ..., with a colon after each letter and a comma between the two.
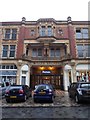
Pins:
x: 48, y: 75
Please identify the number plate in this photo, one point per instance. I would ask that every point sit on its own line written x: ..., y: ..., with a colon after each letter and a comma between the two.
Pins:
x: 42, y: 92
x: 13, y: 96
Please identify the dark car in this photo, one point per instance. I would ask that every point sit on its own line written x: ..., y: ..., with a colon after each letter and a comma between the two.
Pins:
x: 44, y: 92
x: 80, y: 91
x: 17, y: 92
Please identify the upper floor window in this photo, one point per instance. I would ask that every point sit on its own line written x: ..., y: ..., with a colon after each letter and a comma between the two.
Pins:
x: 83, y: 50
x: 54, y: 52
x: 42, y: 31
x: 82, y: 33
x: 57, y: 53
x: 49, y: 31
x: 45, y: 31
x: 8, y: 51
x: 36, y: 52
x: 14, y: 34
x: 32, y: 32
x: 11, y: 34
x: 12, y: 51
x: 7, y: 34
x: 5, y: 51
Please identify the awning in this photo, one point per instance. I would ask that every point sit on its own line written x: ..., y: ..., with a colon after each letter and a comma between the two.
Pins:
x: 8, y: 73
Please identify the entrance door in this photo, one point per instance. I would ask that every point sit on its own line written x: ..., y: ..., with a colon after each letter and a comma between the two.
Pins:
x: 55, y: 80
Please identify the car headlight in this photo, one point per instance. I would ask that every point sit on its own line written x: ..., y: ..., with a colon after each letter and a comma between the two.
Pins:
x: 79, y: 91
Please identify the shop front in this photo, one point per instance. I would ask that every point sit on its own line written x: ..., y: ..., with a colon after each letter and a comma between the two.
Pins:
x: 47, y: 75
x: 83, y: 72
x: 8, y: 73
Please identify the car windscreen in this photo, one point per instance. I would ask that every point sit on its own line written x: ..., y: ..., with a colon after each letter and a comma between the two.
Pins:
x: 14, y: 87
x: 86, y: 85
x: 42, y: 87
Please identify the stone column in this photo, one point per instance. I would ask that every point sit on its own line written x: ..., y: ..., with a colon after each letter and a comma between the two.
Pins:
x: 74, y: 73
x: 18, y: 74
x: 29, y: 73
x: 65, y: 79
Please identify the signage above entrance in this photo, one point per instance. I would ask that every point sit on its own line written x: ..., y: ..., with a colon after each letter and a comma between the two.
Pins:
x: 46, y: 72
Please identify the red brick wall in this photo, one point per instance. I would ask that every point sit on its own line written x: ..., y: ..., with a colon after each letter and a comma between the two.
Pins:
x: 72, y: 41
x: 20, y: 43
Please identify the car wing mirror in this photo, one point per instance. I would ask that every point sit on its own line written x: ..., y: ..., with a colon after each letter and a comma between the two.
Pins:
x: 35, y: 86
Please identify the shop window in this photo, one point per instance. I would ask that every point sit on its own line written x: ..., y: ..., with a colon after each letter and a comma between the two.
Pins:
x: 7, y: 66
x: 11, y: 67
x: 3, y: 66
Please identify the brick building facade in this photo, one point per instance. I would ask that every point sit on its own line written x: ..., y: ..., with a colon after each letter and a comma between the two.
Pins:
x: 44, y: 51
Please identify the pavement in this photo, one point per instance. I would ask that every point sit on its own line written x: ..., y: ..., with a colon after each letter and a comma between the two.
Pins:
x: 61, y: 99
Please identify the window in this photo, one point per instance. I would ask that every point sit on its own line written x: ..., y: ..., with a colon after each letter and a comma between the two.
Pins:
x: 49, y: 31
x: 12, y: 51
x: 83, y: 50
x: 82, y: 33
x: 52, y: 52
x: 34, y: 52
x: 80, y: 50
x: 14, y: 34
x: 23, y: 82
x: 7, y: 34
x: 87, y: 50
x: 32, y: 32
x: 5, y: 51
x: 39, y: 52
x: 11, y: 34
x: 42, y: 31
x: 8, y: 51
x: 57, y: 52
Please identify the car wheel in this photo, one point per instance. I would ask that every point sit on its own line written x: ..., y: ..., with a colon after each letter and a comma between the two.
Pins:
x: 8, y: 101
x: 52, y: 100
x: 35, y: 100
x: 77, y: 99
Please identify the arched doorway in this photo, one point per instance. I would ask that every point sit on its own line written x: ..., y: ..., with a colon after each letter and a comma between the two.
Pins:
x: 24, y: 75
x: 67, y: 76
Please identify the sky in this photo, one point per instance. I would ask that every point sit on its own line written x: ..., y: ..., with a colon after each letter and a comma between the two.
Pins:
x: 32, y: 10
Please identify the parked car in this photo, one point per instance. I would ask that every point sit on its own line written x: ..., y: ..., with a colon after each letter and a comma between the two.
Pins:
x: 80, y: 91
x: 44, y: 92
x: 17, y: 92
x: 3, y: 88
